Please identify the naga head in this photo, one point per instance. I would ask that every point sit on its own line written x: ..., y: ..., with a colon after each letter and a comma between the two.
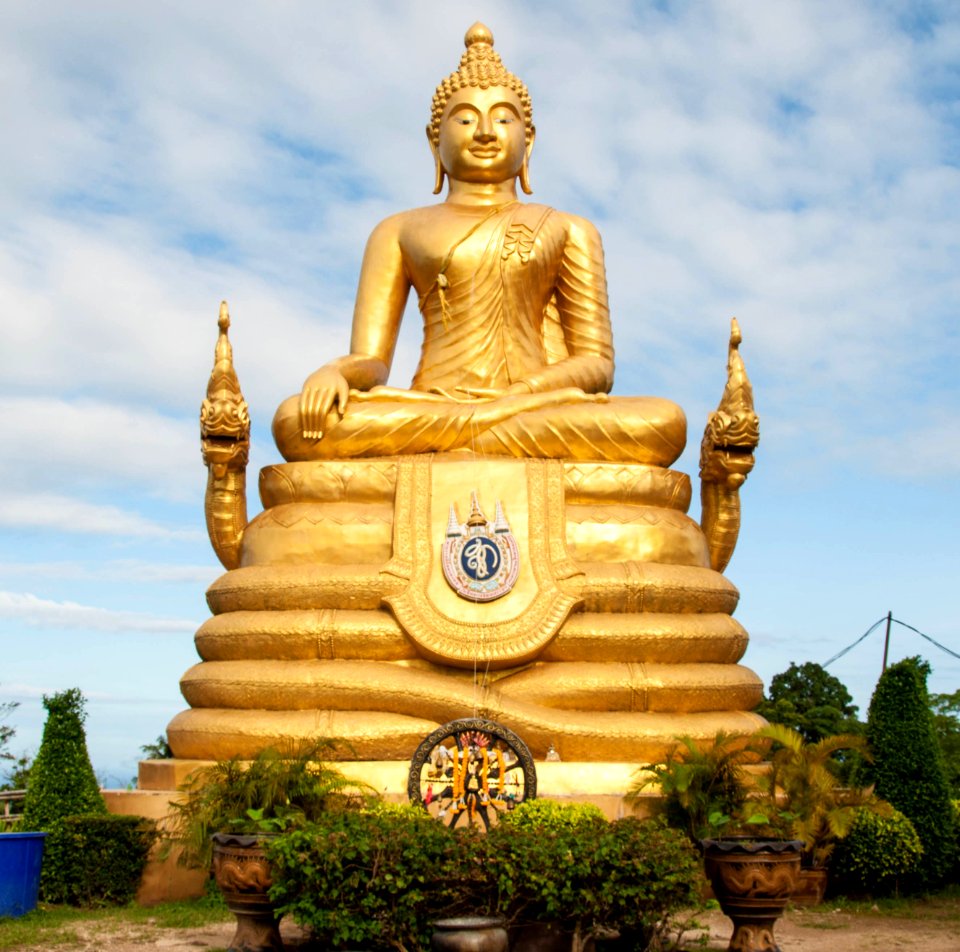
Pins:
x: 733, y: 429
x: 224, y: 418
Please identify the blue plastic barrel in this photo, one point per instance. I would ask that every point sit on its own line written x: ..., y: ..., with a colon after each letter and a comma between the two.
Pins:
x: 20, y: 857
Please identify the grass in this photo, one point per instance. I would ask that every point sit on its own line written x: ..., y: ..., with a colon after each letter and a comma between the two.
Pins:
x: 942, y: 906
x: 55, y: 926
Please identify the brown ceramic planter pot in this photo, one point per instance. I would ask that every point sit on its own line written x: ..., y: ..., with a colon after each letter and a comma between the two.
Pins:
x: 811, y: 886
x: 753, y: 881
x: 242, y: 874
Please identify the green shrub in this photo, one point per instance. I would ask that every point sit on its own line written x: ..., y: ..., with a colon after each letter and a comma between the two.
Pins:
x: 876, y: 854
x: 588, y: 874
x: 368, y: 877
x: 380, y: 877
x: 62, y: 782
x: 96, y: 860
x: 553, y: 816
x: 908, y: 766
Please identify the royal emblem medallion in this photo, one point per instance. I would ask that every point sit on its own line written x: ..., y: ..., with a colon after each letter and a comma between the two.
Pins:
x: 476, y: 592
x: 481, y: 560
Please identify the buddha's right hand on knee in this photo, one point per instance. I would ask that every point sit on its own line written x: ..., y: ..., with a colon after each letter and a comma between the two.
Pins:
x: 323, y: 389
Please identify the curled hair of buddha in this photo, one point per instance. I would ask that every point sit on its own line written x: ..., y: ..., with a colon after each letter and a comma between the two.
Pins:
x: 480, y: 66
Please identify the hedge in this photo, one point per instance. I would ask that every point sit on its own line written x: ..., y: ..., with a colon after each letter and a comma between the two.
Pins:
x: 94, y: 860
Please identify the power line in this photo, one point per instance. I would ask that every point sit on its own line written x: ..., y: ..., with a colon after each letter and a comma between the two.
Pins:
x: 869, y: 631
x: 931, y: 640
x: 876, y: 625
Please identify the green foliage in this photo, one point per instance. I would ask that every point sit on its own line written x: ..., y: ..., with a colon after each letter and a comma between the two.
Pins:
x: 158, y: 750
x: 18, y: 776
x: 908, y: 766
x: 811, y: 701
x: 803, y: 782
x: 275, y: 790
x: 378, y: 877
x: 552, y: 816
x: 586, y: 875
x: 62, y: 782
x: 702, y: 788
x: 6, y: 731
x: 946, y: 723
x: 95, y: 860
x: 368, y: 877
x: 877, y: 854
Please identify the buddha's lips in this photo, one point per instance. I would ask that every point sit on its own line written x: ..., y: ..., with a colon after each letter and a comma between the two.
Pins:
x: 485, y: 153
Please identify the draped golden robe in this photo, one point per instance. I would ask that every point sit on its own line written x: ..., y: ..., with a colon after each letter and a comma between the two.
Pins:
x: 523, y: 300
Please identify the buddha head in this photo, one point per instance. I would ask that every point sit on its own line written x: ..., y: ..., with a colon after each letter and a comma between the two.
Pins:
x: 481, y: 123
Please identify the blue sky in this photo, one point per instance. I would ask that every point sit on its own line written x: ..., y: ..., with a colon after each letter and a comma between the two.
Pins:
x: 796, y: 164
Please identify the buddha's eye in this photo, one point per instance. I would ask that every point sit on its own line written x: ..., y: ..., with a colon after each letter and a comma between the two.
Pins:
x: 503, y: 120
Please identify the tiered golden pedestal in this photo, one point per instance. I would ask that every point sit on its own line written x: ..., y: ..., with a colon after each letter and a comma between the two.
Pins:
x: 616, y: 638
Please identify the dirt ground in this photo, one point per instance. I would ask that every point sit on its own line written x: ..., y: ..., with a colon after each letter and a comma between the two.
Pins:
x: 820, y: 930
x: 823, y: 930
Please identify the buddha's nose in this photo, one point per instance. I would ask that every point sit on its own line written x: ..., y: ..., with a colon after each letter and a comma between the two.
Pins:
x: 484, y: 131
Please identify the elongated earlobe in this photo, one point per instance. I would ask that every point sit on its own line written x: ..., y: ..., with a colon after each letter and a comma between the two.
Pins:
x: 525, y: 168
x: 438, y: 170
x: 438, y: 175
x: 525, y: 178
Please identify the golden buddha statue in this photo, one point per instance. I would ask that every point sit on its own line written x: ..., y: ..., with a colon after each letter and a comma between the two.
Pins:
x: 589, y: 613
x: 514, y: 304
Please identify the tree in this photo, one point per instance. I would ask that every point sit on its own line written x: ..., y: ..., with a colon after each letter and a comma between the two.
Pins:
x: 946, y: 722
x: 6, y: 732
x: 158, y: 750
x: 908, y: 766
x: 13, y: 778
x: 812, y: 701
x: 62, y: 782
x: 18, y: 776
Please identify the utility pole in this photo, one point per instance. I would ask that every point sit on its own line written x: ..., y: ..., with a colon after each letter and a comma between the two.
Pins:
x: 886, y: 642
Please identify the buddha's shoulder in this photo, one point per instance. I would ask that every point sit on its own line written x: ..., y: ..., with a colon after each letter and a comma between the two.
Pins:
x: 571, y: 227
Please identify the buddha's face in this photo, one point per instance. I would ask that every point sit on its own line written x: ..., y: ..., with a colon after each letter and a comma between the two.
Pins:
x: 482, y: 137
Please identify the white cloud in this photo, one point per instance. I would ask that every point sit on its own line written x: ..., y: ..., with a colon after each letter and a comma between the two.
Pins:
x: 116, y: 570
x: 66, y: 514
x: 44, y: 613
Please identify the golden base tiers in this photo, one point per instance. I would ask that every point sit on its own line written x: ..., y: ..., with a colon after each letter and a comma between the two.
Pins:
x: 600, y: 587
x: 375, y: 635
x: 336, y: 513
x: 616, y: 638
x: 419, y: 688
x: 217, y: 733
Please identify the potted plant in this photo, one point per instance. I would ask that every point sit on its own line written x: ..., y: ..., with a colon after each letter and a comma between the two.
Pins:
x: 752, y: 867
x: 702, y: 787
x: 802, y: 786
x: 232, y: 808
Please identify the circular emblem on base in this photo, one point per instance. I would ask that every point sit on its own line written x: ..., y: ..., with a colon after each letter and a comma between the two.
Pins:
x: 481, y: 560
x: 469, y: 771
